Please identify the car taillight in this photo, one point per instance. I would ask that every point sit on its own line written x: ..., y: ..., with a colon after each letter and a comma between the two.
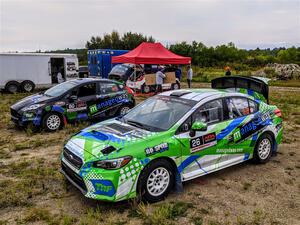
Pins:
x: 278, y: 113
x: 129, y: 90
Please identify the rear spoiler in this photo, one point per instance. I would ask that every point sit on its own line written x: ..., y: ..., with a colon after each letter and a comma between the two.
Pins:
x: 253, y: 86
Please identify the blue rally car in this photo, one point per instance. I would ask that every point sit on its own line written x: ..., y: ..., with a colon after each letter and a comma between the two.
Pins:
x: 71, y: 101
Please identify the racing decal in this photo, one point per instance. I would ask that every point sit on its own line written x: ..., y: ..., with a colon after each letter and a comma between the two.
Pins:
x: 108, y: 103
x: 103, y: 187
x: 78, y: 106
x: 202, y: 142
x: 60, y: 103
x: 256, y: 124
x: 157, y: 149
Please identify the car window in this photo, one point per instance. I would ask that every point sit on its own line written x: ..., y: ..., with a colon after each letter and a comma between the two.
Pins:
x: 253, y: 106
x: 211, y: 112
x: 87, y: 90
x: 107, y: 88
x: 238, y: 107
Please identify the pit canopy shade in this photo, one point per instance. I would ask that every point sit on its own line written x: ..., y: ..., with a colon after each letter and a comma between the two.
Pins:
x: 249, y: 83
x: 151, y: 53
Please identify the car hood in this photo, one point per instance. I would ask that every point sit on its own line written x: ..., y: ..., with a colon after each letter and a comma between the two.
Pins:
x: 30, y: 100
x: 108, y: 139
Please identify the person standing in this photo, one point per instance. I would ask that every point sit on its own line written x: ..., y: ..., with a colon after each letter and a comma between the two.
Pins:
x: 178, y: 73
x: 189, y: 76
x: 159, y: 80
x: 228, y: 71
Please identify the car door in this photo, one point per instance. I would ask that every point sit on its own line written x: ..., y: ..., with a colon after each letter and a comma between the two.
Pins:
x: 110, y: 96
x: 243, y: 134
x: 199, y: 150
x: 80, y: 100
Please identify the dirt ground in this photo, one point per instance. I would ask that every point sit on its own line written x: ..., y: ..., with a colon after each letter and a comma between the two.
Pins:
x: 32, y: 191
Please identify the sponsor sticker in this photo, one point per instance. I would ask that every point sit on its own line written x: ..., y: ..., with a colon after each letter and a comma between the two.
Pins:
x: 157, y: 149
x: 202, y: 142
x: 78, y: 106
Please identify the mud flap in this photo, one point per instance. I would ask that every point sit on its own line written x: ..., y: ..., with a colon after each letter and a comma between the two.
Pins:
x: 178, y: 183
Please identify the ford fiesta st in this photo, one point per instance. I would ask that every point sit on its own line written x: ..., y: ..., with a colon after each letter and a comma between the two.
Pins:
x: 74, y: 100
x: 174, y: 137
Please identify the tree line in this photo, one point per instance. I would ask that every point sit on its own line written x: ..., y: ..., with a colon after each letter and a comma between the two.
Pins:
x: 202, y: 55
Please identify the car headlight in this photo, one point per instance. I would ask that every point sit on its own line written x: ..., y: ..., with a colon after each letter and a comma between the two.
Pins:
x: 112, y: 163
x: 32, y: 107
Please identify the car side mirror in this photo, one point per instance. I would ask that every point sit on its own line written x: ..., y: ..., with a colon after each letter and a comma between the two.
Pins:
x: 197, y: 126
x: 73, y: 97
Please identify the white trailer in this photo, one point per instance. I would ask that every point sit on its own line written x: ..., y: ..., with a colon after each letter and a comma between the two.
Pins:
x: 27, y: 71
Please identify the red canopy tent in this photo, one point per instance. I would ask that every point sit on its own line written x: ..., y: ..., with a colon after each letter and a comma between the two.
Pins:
x: 151, y: 53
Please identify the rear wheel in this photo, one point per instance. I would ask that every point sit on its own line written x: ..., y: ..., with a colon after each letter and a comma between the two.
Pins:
x: 27, y: 86
x: 123, y: 110
x: 52, y: 122
x: 12, y: 87
x: 156, y: 181
x: 263, y: 149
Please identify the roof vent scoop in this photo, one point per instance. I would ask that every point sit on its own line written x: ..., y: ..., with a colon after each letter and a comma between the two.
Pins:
x: 179, y: 93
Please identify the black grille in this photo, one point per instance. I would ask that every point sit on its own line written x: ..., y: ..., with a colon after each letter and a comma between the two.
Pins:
x: 73, y: 176
x: 72, y: 158
x: 15, y: 113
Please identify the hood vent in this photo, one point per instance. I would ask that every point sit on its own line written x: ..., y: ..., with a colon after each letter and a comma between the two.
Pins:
x: 108, y: 150
x: 119, y: 128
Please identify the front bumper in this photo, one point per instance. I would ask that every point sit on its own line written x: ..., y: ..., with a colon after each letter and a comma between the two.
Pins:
x: 25, y: 118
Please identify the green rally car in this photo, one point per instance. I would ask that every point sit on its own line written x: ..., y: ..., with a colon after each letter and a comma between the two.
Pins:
x: 174, y: 137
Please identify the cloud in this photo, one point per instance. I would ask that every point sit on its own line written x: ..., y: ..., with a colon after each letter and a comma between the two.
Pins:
x: 30, y: 25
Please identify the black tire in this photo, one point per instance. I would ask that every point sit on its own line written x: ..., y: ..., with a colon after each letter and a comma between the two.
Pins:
x: 123, y: 110
x: 175, y: 86
x: 146, y: 89
x: 263, y: 149
x: 27, y: 86
x: 12, y: 87
x: 145, y: 181
x: 52, y: 122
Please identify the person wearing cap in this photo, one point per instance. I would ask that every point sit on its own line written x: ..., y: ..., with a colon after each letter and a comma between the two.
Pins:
x: 159, y: 79
x: 189, y: 76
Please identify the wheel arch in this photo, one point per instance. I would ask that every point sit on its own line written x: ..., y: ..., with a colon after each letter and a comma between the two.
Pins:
x: 272, y: 135
x: 168, y: 159
x: 60, y: 114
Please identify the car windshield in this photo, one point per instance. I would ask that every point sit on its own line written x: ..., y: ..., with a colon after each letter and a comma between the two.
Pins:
x: 120, y: 69
x: 158, y: 113
x: 60, y: 89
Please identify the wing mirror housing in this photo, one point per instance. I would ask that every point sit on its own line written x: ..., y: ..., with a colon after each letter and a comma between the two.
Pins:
x: 197, y: 126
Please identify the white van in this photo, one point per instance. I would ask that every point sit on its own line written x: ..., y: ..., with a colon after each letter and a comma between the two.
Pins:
x: 27, y: 71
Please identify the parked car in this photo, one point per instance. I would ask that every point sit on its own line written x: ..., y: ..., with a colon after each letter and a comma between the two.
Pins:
x: 83, y: 71
x: 75, y: 100
x: 171, y: 138
x: 122, y: 72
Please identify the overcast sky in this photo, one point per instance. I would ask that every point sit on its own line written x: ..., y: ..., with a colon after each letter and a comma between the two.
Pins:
x: 28, y: 25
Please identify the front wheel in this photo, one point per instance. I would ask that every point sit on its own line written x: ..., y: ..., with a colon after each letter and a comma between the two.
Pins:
x: 156, y: 181
x: 263, y: 149
x: 52, y: 122
x: 12, y: 87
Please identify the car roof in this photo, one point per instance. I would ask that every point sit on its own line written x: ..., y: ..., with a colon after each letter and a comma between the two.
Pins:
x: 200, y: 94
x: 87, y: 80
